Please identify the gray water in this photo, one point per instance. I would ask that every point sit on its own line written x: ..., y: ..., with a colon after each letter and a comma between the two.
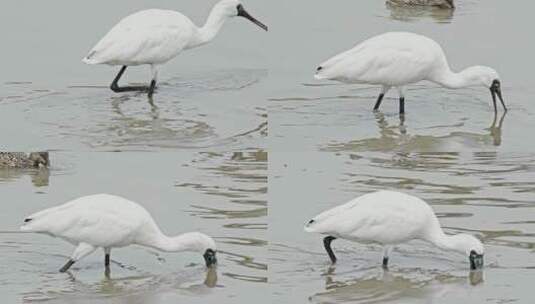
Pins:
x: 220, y: 194
x: 197, y: 156
x: 476, y: 170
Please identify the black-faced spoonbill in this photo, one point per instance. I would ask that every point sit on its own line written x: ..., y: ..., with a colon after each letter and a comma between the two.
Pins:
x: 391, y: 218
x: 156, y: 36
x: 107, y: 221
x: 396, y: 59
x: 438, y: 3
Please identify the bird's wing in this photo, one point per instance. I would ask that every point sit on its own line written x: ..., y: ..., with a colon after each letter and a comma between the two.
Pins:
x: 370, y: 64
x: 375, y: 216
x: 80, y: 222
x: 134, y: 41
x: 325, y: 222
x: 392, y: 66
x: 98, y: 229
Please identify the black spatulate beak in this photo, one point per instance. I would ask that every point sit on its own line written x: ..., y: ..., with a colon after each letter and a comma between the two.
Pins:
x: 209, y: 257
x: 476, y: 261
x: 496, y: 90
x: 243, y: 13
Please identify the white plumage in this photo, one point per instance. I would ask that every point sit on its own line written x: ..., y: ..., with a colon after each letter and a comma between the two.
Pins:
x: 156, y: 36
x: 151, y: 36
x: 396, y: 59
x: 390, y: 218
x: 107, y: 221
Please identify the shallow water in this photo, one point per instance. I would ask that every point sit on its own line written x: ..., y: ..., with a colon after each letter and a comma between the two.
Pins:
x: 220, y: 194
x: 325, y: 147
x: 484, y: 193
x: 477, y: 170
x: 207, y: 99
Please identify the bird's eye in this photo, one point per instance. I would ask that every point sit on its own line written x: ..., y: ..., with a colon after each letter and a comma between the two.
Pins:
x: 311, y: 221
x: 319, y: 69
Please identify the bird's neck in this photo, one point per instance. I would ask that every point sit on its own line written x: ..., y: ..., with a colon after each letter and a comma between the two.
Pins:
x: 446, y: 242
x: 209, y: 30
x: 452, y: 80
x: 162, y: 242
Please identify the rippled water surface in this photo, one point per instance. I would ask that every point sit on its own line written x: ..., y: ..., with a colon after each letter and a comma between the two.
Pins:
x: 209, y: 98
x: 220, y: 194
x: 476, y: 169
x: 208, y: 124
x: 484, y: 193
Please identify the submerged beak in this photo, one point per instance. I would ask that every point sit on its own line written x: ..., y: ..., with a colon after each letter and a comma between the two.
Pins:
x: 496, y: 90
x: 243, y: 13
x: 476, y: 261
x: 209, y: 258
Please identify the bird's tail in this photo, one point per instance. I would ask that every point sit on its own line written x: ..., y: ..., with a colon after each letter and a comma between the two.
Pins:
x: 88, y: 61
x: 26, y: 227
x: 90, y: 58
x: 320, y: 74
x: 311, y: 226
x: 37, y: 222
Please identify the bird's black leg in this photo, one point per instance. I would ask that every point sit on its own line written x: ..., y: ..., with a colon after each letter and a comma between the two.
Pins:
x: 117, y: 89
x: 378, y: 102
x: 385, y: 262
x: 327, y: 243
x: 67, y: 266
x: 152, y: 87
x: 386, y: 253
x: 107, y: 252
x: 402, y: 105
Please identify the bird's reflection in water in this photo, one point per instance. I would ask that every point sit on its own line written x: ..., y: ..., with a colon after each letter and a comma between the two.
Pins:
x: 496, y: 130
x: 122, y: 288
x: 413, y: 13
x: 475, y: 277
x: 117, y: 101
x: 331, y: 283
x: 396, y: 137
x: 40, y: 177
x: 211, y: 278
x: 383, y: 285
x: 155, y: 114
x: 385, y: 129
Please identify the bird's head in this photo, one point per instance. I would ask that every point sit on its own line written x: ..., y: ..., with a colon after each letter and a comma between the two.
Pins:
x: 205, y: 245
x: 481, y: 75
x: 487, y: 77
x: 234, y: 8
x: 39, y: 159
x: 471, y: 247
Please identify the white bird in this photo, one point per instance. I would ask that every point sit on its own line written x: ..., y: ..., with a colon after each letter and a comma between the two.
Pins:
x: 391, y: 218
x: 396, y: 59
x: 156, y: 36
x: 107, y: 221
x: 438, y: 3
